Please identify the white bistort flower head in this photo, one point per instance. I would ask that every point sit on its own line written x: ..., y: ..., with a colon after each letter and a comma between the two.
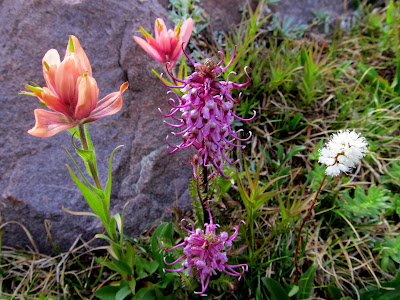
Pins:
x: 343, y: 151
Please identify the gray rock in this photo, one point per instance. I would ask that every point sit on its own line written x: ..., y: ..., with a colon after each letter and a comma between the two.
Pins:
x: 301, y: 11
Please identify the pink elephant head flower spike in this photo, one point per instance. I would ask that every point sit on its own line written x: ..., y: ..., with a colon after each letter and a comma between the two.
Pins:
x: 203, y: 253
x: 206, y: 110
x: 167, y: 46
x: 71, y: 93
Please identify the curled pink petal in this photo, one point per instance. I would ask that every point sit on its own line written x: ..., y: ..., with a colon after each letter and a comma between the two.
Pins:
x: 66, y: 77
x: 53, y: 101
x: 109, y: 105
x: 88, y: 94
x: 231, y: 61
x: 174, y: 262
x: 50, y: 123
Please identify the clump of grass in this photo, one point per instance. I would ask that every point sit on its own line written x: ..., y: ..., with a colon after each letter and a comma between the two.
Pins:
x: 303, y: 91
x: 71, y: 275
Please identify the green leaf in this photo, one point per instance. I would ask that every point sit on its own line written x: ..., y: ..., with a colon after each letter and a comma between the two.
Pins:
x: 389, y: 13
x: 121, y: 227
x: 107, y: 190
x: 115, y: 265
x: 132, y: 284
x: 293, y: 152
x: 87, y: 156
x: 113, y: 224
x: 165, y: 233
x: 182, y: 73
x: 130, y: 256
x: 280, y: 154
x: 118, y: 221
x: 264, y: 197
x: 364, y: 205
x: 122, y: 266
x: 104, y: 237
x: 144, y: 267
x: 224, y: 184
x: 242, y: 191
x: 123, y: 293
x: 145, y: 294
x: 397, y: 86
x: 169, y: 278
x: 282, y: 207
x: 75, y: 132
x: 93, y: 201
x: 196, y: 193
x: 295, y: 121
x: 390, y: 290
x: 78, y: 213
x: 370, y: 74
x: 282, y: 175
x: 258, y: 289
x: 107, y: 292
x: 295, y: 289
x: 306, y: 283
x: 97, y: 191
x: 334, y: 291
x: 277, y: 292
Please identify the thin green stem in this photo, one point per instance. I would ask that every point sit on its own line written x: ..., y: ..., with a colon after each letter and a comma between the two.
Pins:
x: 252, y: 240
x: 91, y: 165
x: 396, y: 36
x: 111, y: 232
x: 205, y: 189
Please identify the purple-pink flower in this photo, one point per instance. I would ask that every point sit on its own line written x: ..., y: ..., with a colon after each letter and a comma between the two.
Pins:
x: 206, y: 114
x: 203, y: 253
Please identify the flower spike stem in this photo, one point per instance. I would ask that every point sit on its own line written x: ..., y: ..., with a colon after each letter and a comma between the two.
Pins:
x: 169, y: 73
x: 86, y: 147
x: 296, y: 255
x: 205, y: 188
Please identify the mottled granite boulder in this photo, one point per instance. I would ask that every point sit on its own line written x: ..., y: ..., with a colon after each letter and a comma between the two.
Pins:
x: 301, y: 11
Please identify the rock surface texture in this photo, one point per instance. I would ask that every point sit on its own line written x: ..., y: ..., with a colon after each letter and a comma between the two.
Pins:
x: 34, y: 181
x: 301, y: 11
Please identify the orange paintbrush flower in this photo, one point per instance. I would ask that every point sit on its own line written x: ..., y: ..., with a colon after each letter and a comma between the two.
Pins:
x: 71, y: 93
x: 167, y: 46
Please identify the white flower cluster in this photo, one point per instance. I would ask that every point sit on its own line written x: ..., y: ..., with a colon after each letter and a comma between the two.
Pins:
x: 343, y: 151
